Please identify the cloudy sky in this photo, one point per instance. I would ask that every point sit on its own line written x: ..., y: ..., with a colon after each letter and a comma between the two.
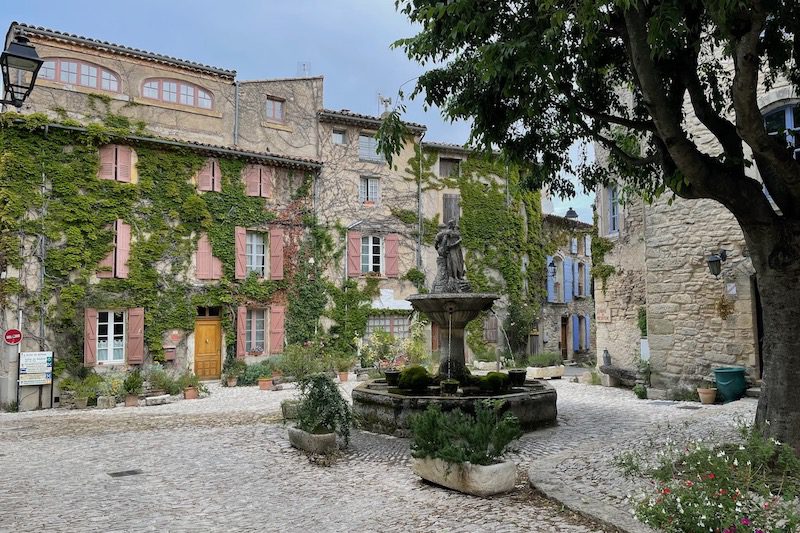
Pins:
x: 347, y: 41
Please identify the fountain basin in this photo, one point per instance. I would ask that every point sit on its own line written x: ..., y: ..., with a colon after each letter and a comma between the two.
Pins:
x: 383, y: 409
x: 462, y: 307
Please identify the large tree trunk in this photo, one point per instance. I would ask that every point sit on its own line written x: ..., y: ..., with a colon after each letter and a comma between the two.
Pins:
x: 776, y: 258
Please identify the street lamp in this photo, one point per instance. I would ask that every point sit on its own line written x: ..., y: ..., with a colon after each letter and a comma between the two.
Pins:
x: 715, y: 262
x: 551, y: 269
x: 20, y: 64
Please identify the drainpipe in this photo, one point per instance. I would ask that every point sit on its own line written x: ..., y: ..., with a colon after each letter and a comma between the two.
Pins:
x: 236, y: 113
x: 351, y: 226
x: 420, y: 224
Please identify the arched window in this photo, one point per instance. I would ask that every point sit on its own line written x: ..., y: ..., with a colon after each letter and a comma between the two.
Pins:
x: 75, y: 72
x: 177, y: 92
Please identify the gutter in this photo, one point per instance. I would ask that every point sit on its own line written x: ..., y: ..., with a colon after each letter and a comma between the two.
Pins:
x: 236, y: 113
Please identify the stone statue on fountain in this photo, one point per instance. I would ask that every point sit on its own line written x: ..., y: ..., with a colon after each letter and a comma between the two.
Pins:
x: 450, y: 261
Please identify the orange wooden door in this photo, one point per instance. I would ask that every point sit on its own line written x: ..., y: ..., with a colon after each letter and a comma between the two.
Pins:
x: 207, y: 348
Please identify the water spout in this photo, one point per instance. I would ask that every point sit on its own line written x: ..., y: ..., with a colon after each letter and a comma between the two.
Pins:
x: 503, y: 330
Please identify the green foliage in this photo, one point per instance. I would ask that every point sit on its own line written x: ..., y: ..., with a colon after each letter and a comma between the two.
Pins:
x: 322, y: 407
x: 640, y: 391
x: 234, y: 367
x: 350, y: 311
x: 545, y: 359
x: 642, y: 321
x: 595, y: 378
x: 754, y: 483
x: 134, y: 382
x: 302, y: 360
x: 253, y: 372
x: 307, y: 293
x: 189, y: 379
x: 159, y: 379
x: 458, y: 438
x: 417, y: 277
x: 495, y: 382
x: 600, y: 247
x: 415, y: 378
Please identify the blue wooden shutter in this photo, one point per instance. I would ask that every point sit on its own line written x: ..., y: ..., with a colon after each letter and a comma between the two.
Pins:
x: 587, y: 289
x: 588, y: 323
x: 550, y: 281
x: 568, y: 280
x: 575, y: 279
x: 576, y: 333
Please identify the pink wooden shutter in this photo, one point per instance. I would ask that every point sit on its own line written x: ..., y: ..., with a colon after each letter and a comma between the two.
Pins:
x: 392, y: 242
x: 107, y: 264
x: 216, y: 173
x: 124, y: 157
x: 204, y: 177
x: 267, y: 174
x: 203, y: 258
x: 216, y: 268
x: 135, y: 343
x: 252, y: 180
x: 107, y: 161
x: 123, y: 249
x: 277, y: 314
x: 241, y: 249
x: 276, y: 252
x: 90, y: 337
x: 241, y: 331
x: 353, y: 254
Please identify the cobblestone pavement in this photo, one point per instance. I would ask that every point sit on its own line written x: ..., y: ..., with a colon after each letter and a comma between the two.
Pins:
x: 223, y: 463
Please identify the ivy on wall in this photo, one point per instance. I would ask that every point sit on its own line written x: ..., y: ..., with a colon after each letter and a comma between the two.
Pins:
x: 600, y: 247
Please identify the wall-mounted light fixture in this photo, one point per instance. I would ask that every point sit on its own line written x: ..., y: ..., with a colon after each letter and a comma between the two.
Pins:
x: 20, y: 65
x: 715, y: 262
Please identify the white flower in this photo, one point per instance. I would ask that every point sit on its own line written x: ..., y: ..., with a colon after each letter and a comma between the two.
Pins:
x: 736, y: 462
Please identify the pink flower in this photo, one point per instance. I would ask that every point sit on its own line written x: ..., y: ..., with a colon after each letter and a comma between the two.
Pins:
x: 745, y: 521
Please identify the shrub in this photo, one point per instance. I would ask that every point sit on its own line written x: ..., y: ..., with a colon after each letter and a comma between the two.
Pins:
x: 190, y: 379
x: 255, y: 371
x: 755, y: 484
x: 640, y: 391
x: 415, y: 378
x: 302, y: 360
x: 456, y: 437
x: 134, y: 382
x: 545, y: 359
x: 322, y: 408
x: 495, y: 382
x: 234, y: 368
x: 112, y: 384
x: 159, y: 379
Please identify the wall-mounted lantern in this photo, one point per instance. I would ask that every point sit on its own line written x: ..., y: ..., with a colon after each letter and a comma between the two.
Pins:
x: 20, y: 65
x: 551, y: 269
x: 715, y: 262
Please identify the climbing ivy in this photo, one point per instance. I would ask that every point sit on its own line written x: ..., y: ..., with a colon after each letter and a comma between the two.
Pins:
x: 350, y: 311
x: 600, y: 247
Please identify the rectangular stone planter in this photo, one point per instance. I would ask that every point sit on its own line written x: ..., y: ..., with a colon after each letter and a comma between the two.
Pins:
x: 545, y: 372
x: 311, y: 442
x: 289, y: 408
x: 472, y: 479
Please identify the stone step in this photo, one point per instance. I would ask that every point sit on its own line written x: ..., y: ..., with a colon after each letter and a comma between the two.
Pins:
x: 753, y: 392
x: 158, y: 400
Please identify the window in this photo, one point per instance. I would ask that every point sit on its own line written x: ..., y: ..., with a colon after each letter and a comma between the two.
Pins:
x: 573, y: 245
x: 255, y: 327
x: 451, y: 208
x: 116, y: 163
x: 368, y: 149
x: 371, y: 253
x: 80, y: 73
x: 397, y: 325
x: 256, y: 252
x: 369, y: 190
x: 177, y: 92
x: 613, y: 209
x: 110, y: 336
x: 275, y: 111
x: 339, y: 137
x: 581, y: 276
x: 785, y: 121
x: 587, y: 245
x: 449, y: 167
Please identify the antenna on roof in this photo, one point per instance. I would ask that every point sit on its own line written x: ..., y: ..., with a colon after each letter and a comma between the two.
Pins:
x: 303, y: 69
x: 386, y: 102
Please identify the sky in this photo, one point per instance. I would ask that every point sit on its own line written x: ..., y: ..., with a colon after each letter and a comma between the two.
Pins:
x: 346, y: 41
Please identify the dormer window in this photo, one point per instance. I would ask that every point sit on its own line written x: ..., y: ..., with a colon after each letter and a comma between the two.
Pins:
x: 74, y: 72
x: 177, y: 92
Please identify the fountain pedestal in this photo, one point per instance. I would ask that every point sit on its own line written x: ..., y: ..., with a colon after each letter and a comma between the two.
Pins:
x: 452, y: 312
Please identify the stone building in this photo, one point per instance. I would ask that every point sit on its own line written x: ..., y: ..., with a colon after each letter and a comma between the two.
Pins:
x: 695, y: 322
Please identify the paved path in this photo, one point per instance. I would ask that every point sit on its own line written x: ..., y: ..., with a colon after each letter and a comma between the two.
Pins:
x: 223, y: 464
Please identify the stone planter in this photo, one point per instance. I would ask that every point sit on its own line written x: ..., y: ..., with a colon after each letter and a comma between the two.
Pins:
x: 106, y: 402
x: 449, y: 387
x: 80, y: 403
x: 392, y: 377
x: 516, y: 376
x: 190, y: 393
x: 131, y: 400
x: 290, y: 408
x: 265, y: 383
x: 490, y: 366
x: 707, y: 396
x: 472, y: 479
x: 545, y: 372
x: 343, y: 376
x: 312, y: 442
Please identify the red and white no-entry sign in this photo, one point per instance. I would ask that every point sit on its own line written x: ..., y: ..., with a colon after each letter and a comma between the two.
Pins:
x: 13, y: 336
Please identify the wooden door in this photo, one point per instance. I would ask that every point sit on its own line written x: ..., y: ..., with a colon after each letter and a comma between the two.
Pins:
x: 207, y: 348
x: 564, y: 337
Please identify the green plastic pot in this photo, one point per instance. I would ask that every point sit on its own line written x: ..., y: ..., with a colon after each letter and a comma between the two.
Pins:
x: 731, y: 384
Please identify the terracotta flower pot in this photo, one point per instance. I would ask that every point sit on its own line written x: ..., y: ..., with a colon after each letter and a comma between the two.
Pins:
x: 232, y: 381
x: 132, y: 400
x: 343, y: 376
x: 190, y: 393
x: 265, y: 383
x: 707, y: 396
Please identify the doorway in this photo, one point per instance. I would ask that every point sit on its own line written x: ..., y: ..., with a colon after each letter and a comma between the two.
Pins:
x: 208, y: 343
x: 564, y: 337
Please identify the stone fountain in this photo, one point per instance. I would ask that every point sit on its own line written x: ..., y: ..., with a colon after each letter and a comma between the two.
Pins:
x: 451, y: 305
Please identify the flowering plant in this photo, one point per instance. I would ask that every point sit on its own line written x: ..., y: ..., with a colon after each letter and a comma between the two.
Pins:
x: 734, y: 488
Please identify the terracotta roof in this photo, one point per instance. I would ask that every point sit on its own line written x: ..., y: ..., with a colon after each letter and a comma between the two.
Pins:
x: 566, y: 221
x: 449, y: 147
x: 56, y: 35
x: 345, y: 116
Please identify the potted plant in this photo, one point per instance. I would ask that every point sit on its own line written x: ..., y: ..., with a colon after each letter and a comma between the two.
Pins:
x: 133, y: 385
x: 106, y: 393
x: 191, y: 386
x: 517, y: 376
x: 449, y: 386
x: 415, y: 378
x: 392, y: 376
x: 265, y: 382
x: 83, y: 391
x: 464, y: 452
x: 545, y: 366
x: 233, y: 370
x: 323, y: 413
x: 707, y: 392
x: 343, y: 365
